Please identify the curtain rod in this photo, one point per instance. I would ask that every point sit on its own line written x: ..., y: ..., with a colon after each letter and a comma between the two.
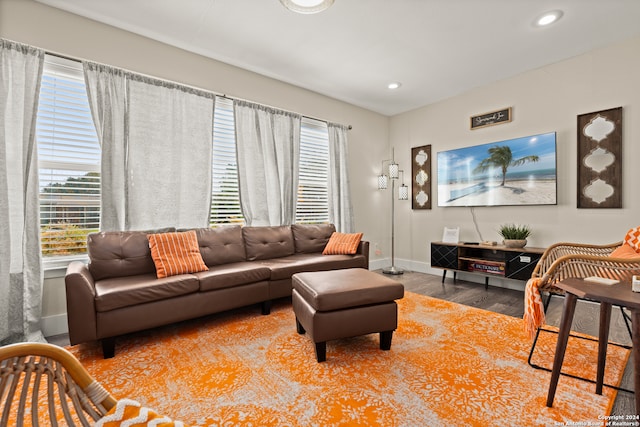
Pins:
x: 235, y: 98
x: 71, y: 58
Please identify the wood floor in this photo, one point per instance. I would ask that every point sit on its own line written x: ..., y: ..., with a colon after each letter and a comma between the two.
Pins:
x: 510, y: 302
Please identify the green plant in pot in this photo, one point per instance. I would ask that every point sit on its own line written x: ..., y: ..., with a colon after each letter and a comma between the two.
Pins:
x: 514, y: 236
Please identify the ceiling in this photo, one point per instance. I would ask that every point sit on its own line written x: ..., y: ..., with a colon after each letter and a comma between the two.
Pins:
x: 435, y: 48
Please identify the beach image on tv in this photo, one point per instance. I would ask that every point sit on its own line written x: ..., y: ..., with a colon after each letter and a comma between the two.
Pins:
x: 520, y: 171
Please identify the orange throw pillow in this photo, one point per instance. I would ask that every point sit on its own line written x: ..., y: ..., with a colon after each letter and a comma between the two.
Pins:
x: 624, y: 251
x: 342, y: 244
x: 176, y: 253
x: 633, y: 239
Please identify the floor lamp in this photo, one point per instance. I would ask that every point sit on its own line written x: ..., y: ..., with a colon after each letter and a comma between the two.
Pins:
x: 403, y: 194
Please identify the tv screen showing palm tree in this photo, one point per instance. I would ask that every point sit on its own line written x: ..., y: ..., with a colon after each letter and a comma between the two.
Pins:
x: 519, y: 171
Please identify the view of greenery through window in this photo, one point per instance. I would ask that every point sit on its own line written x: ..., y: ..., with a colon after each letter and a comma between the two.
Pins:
x: 69, y: 160
x: 69, y: 164
x: 64, y: 229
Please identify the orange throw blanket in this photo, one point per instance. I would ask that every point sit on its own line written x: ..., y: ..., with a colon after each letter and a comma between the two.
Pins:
x: 533, y: 308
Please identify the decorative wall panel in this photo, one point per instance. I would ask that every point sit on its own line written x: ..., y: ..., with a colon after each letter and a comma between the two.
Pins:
x: 600, y: 159
x: 421, y: 177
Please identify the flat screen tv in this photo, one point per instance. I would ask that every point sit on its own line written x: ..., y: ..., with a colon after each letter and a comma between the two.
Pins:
x: 519, y: 171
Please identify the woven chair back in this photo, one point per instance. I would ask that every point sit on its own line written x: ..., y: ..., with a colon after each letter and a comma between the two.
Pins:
x: 42, y: 384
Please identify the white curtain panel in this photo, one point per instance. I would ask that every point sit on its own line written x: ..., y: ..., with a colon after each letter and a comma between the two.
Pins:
x: 107, y: 92
x: 169, y: 156
x: 156, y: 140
x: 268, y: 151
x: 340, y: 208
x: 21, y: 273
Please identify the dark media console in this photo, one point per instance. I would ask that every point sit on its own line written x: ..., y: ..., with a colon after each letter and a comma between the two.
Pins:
x: 489, y: 261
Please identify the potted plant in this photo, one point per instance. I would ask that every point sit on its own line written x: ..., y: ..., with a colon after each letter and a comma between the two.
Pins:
x: 514, y: 236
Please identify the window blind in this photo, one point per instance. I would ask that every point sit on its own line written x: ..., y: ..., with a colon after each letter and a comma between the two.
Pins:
x: 225, y: 197
x: 313, y: 201
x: 69, y: 160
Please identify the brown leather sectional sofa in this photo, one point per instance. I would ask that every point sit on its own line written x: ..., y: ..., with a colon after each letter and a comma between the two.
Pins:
x: 118, y: 291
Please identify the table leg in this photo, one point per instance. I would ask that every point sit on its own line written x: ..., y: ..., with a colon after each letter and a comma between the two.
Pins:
x: 603, y: 340
x: 635, y: 316
x: 561, y: 345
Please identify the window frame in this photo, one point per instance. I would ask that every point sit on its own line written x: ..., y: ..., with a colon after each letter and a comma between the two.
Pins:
x: 224, y: 167
x: 312, y: 205
x: 64, y: 124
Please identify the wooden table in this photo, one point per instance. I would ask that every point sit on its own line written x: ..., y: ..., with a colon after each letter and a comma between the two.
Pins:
x: 607, y: 295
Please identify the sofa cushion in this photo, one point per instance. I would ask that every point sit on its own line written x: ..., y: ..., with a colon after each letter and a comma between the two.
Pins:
x: 121, y: 292
x: 268, y: 242
x: 342, y: 244
x: 311, y: 238
x: 176, y: 253
x: 221, y: 245
x: 230, y: 275
x: 284, y: 268
x: 120, y: 253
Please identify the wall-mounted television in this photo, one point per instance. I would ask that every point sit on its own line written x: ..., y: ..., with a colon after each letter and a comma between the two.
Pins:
x: 519, y: 171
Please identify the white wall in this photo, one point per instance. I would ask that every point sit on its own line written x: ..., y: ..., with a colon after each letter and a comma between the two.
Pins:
x: 543, y: 100
x: 30, y: 22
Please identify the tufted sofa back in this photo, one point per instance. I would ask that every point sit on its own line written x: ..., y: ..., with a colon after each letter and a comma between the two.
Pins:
x: 221, y: 245
x: 268, y: 242
x: 126, y: 253
x: 311, y: 238
x: 120, y: 253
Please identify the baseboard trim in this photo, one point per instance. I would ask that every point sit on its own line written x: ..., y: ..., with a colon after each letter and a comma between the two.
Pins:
x: 54, y: 325
x: 423, y: 267
x: 379, y: 264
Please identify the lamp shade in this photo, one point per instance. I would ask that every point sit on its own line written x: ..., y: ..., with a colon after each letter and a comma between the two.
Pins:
x: 403, y: 192
x: 394, y: 170
x: 383, y: 180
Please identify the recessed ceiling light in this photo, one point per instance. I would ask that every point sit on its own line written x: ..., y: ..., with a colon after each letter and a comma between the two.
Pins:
x: 307, y: 6
x: 394, y: 85
x: 548, y: 18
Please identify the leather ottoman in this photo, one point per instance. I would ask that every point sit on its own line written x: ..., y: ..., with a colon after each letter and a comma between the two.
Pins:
x: 336, y: 304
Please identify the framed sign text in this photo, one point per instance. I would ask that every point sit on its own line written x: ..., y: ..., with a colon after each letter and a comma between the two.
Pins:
x: 490, y: 119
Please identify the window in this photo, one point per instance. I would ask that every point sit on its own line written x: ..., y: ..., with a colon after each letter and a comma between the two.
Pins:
x: 69, y: 160
x: 69, y: 164
x: 312, y: 205
x: 225, y: 197
x: 313, y: 200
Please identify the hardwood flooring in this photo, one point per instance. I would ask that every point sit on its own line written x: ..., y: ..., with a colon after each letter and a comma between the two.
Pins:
x: 511, y: 303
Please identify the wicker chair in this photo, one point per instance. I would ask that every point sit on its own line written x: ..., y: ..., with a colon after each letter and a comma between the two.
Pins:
x: 45, y: 384
x: 563, y: 260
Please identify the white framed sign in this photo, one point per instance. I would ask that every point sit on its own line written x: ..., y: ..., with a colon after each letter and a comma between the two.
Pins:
x: 451, y: 234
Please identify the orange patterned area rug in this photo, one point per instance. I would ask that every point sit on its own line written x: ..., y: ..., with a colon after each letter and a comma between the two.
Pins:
x: 449, y: 365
